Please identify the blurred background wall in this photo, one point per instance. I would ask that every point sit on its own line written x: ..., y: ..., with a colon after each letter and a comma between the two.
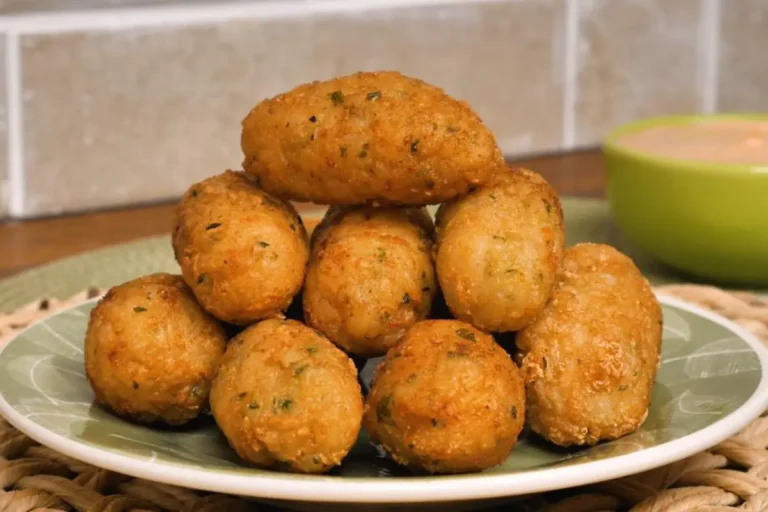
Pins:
x: 105, y: 103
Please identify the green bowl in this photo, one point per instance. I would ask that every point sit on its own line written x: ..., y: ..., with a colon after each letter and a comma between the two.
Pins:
x: 707, y: 219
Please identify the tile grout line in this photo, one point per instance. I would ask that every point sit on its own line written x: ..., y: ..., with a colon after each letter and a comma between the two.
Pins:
x: 15, y: 126
x: 709, y: 55
x: 181, y: 15
x: 570, y: 82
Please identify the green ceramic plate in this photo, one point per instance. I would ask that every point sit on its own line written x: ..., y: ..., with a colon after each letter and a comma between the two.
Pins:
x: 711, y: 384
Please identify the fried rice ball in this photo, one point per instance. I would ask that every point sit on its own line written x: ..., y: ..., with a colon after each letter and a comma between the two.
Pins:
x: 287, y: 398
x: 446, y: 399
x: 241, y: 250
x: 151, y: 350
x: 373, y: 137
x: 498, y: 251
x: 590, y: 358
x: 370, y: 276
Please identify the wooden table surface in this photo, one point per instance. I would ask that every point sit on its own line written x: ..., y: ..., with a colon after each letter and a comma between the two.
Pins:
x: 29, y: 243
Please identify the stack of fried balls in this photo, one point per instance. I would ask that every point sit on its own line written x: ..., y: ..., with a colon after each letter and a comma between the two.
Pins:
x: 376, y: 278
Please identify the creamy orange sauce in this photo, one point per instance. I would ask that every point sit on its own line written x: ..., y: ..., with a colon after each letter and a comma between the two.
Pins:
x: 737, y: 141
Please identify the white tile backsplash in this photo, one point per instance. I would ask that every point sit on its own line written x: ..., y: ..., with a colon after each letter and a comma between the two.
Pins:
x: 128, y: 101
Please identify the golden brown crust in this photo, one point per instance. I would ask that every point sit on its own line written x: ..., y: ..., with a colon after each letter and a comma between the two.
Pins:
x: 285, y: 397
x: 370, y: 276
x: 446, y: 399
x: 591, y: 356
x: 151, y: 350
x: 241, y: 250
x: 498, y: 251
x: 374, y: 137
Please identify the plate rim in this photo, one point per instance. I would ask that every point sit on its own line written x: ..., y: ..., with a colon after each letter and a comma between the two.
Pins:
x: 437, y: 488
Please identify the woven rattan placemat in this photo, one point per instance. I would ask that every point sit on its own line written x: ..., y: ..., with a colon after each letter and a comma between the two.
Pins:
x: 730, y: 476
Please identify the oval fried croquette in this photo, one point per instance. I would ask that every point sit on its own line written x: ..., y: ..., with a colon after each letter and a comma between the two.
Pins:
x: 370, y: 276
x: 591, y: 356
x: 241, y: 250
x: 372, y: 137
x: 151, y: 350
x: 286, y: 397
x: 498, y: 251
x: 446, y: 399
